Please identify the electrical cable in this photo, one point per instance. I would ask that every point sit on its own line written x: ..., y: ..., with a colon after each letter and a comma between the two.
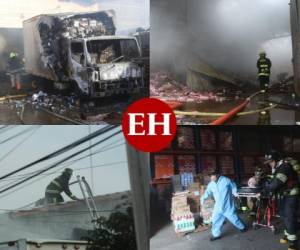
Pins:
x: 19, y: 144
x: 63, y: 149
x: 68, y: 163
x: 60, y: 161
x: 17, y: 134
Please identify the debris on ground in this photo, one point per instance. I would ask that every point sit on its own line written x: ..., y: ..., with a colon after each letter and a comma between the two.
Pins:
x: 40, y: 104
x: 162, y: 86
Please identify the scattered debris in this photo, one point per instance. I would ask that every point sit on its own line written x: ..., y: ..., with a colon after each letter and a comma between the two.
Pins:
x: 162, y: 86
x: 68, y: 108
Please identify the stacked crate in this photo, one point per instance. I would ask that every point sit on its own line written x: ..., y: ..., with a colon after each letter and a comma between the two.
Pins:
x: 181, y: 215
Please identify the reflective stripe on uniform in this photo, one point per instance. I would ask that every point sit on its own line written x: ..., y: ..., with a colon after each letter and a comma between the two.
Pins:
x: 263, y: 74
x: 294, y: 191
x: 56, y: 183
x: 292, y: 237
x: 53, y: 191
x: 281, y: 177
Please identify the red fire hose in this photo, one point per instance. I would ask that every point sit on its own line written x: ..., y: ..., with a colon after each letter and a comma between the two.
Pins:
x: 234, y: 111
x: 174, y: 104
x: 230, y: 114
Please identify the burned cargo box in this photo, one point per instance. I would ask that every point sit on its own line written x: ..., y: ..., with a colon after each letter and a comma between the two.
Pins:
x: 79, y: 50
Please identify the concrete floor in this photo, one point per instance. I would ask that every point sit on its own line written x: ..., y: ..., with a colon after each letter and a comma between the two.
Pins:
x: 232, y: 239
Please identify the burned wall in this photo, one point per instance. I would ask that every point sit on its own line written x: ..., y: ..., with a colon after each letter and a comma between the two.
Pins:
x: 168, y: 35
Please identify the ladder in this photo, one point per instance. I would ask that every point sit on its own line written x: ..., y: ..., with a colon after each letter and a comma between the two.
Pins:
x: 89, y: 198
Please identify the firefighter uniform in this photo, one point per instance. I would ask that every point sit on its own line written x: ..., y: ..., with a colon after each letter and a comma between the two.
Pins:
x: 264, y: 70
x: 57, y: 186
x: 286, y: 181
x: 14, y: 64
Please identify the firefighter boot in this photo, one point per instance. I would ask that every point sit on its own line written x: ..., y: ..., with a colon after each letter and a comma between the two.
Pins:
x: 284, y: 240
x: 292, y: 247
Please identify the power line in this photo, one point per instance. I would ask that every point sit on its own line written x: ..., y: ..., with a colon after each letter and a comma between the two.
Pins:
x: 68, y: 163
x: 43, y: 176
x: 19, y: 144
x: 62, y: 150
x: 59, y: 162
x: 6, y: 128
x: 16, y: 135
x: 22, y: 177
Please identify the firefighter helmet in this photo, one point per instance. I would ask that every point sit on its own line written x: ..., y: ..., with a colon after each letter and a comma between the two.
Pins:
x: 68, y: 171
x: 262, y: 53
x: 272, y: 155
x: 13, y: 54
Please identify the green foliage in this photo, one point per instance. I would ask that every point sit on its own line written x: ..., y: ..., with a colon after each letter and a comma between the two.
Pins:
x: 114, y: 233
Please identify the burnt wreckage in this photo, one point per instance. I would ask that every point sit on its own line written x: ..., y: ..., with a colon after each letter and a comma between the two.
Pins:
x: 82, y: 51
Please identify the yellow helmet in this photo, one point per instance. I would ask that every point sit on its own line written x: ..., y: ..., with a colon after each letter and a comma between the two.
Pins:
x: 262, y: 53
x: 12, y: 54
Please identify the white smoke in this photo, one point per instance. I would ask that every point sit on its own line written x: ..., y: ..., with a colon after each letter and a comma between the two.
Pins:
x: 280, y: 52
x: 13, y: 13
x: 2, y: 43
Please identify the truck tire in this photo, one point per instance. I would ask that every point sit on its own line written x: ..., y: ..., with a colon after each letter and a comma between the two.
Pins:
x: 78, y: 92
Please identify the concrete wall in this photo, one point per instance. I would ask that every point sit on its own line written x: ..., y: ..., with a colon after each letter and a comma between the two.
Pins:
x: 138, y: 164
x: 295, y: 28
x: 60, y: 221
x: 168, y: 35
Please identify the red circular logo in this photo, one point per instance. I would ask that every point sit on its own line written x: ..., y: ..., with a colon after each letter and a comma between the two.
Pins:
x: 149, y: 125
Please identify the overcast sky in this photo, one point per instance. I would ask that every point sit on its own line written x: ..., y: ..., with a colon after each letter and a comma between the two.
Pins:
x: 130, y: 14
x: 110, y: 172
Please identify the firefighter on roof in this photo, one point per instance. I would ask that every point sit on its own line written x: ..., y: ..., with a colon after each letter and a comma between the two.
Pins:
x: 57, y: 186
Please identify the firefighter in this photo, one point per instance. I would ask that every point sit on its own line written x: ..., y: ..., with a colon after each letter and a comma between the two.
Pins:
x: 14, y: 64
x: 264, y: 70
x: 286, y: 181
x: 57, y: 186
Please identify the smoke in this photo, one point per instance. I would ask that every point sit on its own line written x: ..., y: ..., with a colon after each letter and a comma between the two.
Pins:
x: 280, y: 51
x: 130, y: 14
x: 13, y: 13
x: 227, y: 34
x: 2, y: 43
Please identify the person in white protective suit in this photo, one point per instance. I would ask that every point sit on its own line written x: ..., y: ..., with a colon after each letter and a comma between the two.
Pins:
x: 223, y: 190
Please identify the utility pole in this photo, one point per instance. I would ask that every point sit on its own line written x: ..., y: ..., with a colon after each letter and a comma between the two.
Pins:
x: 138, y: 166
x: 295, y: 31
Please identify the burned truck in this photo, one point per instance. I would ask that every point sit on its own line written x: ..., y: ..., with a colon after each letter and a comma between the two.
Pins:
x: 82, y: 52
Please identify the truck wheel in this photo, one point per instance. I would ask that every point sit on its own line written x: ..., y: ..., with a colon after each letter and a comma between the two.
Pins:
x: 78, y: 92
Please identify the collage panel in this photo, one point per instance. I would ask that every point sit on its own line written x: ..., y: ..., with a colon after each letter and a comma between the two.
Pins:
x: 226, y: 62
x: 69, y: 191
x: 228, y: 187
x: 172, y: 150
x: 72, y: 62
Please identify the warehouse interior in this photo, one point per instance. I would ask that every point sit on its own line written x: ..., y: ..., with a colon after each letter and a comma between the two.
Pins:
x: 204, y: 54
x: 236, y: 151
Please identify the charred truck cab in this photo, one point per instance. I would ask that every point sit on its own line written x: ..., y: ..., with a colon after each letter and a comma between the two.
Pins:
x: 81, y: 51
x: 107, y: 65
